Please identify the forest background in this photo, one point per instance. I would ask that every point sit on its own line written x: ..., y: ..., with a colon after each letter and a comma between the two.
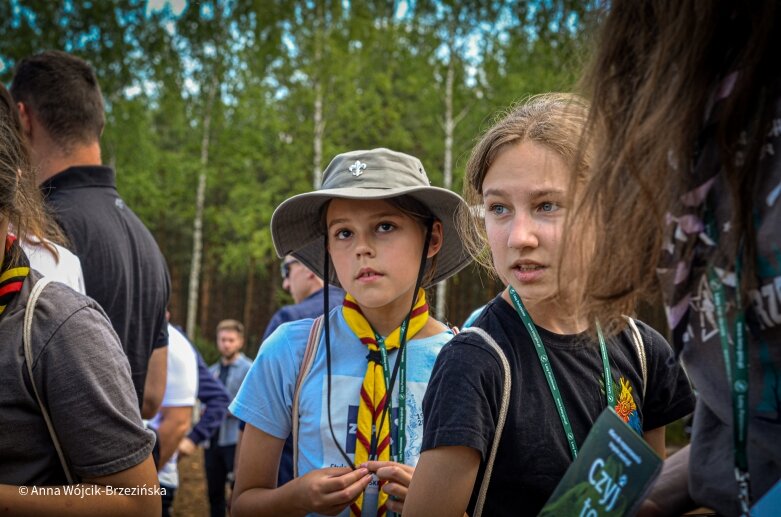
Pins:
x: 216, y: 111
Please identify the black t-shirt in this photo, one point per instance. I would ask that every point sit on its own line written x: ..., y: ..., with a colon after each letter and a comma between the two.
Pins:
x: 124, y: 270
x: 461, y: 406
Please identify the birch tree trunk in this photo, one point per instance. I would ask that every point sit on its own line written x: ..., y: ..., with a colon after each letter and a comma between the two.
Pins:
x: 317, y: 160
x: 200, y: 199
x: 319, y: 122
x: 249, y: 297
x: 205, y: 292
x: 447, y: 173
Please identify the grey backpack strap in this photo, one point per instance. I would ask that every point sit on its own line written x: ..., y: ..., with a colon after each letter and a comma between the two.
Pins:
x: 29, y: 311
x: 503, y: 408
x: 637, y: 340
x: 306, y: 365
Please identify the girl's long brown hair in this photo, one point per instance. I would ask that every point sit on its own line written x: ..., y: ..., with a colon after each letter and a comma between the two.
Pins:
x: 652, y: 75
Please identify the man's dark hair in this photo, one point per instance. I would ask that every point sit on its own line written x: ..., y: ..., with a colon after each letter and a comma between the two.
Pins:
x: 62, y: 92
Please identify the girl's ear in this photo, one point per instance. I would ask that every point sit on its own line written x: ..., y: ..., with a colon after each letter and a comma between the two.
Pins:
x: 437, y: 237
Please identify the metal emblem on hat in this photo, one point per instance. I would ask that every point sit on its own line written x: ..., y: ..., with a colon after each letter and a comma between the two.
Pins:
x: 357, y: 168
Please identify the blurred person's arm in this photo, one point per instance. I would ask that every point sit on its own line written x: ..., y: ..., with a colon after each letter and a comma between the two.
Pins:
x: 154, y: 385
x: 215, y: 399
x: 98, y: 496
x: 175, y: 421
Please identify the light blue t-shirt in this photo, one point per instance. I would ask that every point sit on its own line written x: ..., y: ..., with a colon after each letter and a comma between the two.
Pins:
x: 470, y: 320
x: 265, y: 399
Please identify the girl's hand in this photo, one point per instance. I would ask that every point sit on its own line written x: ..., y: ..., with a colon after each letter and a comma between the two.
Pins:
x: 397, y: 477
x: 331, y: 490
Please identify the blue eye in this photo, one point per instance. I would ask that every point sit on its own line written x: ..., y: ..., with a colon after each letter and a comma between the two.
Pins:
x: 549, y: 207
x: 498, y: 209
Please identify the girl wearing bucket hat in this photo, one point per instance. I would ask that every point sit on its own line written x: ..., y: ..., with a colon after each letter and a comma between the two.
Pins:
x: 388, y: 235
x: 514, y: 451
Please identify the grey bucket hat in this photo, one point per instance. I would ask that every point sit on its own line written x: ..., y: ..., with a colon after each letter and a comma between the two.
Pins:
x: 376, y: 174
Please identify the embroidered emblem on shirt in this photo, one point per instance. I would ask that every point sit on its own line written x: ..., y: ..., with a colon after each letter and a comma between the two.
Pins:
x: 626, y: 407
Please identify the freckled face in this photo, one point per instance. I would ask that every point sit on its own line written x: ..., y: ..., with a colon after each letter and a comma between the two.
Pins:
x: 524, y: 194
x: 375, y: 249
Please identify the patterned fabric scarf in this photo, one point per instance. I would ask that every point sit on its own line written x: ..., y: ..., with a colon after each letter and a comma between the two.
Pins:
x: 14, y: 270
x: 373, y: 391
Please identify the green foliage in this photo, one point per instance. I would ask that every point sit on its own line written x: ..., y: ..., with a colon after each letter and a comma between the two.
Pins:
x: 676, y: 435
x: 382, y: 73
x: 207, y: 349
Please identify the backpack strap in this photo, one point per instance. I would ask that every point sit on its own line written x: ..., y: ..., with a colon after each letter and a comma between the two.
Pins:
x: 503, y: 408
x: 29, y: 311
x: 306, y: 364
x: 637, y: 340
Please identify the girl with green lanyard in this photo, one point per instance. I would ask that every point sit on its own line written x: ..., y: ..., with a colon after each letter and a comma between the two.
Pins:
x: 355, y: 416
x: 560, y: 377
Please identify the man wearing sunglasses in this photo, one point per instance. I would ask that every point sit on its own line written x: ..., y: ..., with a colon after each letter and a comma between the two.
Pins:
x: 306, y: 289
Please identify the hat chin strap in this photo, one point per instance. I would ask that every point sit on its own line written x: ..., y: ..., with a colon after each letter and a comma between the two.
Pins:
x: 327, y: 331
x: 402, y: 342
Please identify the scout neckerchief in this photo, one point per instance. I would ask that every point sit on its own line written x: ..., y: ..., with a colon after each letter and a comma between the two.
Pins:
x: 548, y: 370
x: 373, y: 436
x: 14, y: 270
x: 736, y: 366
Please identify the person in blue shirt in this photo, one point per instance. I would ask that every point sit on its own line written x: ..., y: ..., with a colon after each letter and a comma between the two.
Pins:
x: 381, y: 231
x: 230, y: 370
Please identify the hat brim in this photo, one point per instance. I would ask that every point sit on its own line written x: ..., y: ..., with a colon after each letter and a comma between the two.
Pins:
x: 297, y: 230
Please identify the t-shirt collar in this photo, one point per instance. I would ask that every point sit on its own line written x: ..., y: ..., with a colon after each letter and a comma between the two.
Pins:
x: 81, y: 176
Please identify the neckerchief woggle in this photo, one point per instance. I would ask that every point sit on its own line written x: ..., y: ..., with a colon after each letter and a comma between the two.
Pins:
x: 539, y: 347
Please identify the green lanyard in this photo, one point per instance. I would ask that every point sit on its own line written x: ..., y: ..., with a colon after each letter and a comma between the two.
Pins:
x: 736, y: 366
x: 400, y: 443
x: 548, y: 370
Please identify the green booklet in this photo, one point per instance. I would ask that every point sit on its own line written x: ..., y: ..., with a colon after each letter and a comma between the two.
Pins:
x: 614, y: 470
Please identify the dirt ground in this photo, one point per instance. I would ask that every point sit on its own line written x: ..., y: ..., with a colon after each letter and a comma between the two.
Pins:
x: 191, y: 499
